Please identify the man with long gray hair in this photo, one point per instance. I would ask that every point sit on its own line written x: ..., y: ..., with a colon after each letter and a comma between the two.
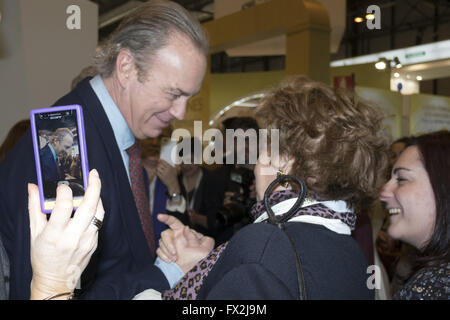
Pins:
x: 147, y: 71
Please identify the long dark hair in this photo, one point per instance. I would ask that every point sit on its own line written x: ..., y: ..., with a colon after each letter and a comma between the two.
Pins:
x: 434, y: 149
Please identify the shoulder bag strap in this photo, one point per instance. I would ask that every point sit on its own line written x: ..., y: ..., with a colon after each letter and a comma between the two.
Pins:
x: 280, y: 223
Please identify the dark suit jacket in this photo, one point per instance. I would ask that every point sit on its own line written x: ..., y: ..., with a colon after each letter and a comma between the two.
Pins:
x: 49, y: 165
x: 122, y: 265
x: 259, y: 263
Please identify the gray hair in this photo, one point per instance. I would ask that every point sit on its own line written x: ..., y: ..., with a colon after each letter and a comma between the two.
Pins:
x: 144, y: 31
x: 61, y: 133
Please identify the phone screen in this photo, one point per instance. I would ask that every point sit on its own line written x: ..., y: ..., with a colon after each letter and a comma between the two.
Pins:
x: 60, y: 161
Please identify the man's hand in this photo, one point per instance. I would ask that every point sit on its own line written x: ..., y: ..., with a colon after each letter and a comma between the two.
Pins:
x: 182, y: 245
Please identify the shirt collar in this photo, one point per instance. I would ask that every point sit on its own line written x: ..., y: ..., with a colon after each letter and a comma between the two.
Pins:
x: 122, y: 133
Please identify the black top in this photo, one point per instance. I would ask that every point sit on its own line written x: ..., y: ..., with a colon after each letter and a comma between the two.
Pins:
x: 259, y: 263
x: 431, y: 283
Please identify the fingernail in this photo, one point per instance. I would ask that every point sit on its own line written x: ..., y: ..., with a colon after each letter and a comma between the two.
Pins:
x: 94, y: 172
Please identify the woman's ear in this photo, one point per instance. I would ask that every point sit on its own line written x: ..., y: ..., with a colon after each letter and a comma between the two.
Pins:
x: 286, y: 164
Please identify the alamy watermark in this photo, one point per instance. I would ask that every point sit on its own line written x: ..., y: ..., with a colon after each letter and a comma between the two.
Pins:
x: 241, y: 147
x: 374, y: 23
x: 73, y: 21
x: 374, y: 280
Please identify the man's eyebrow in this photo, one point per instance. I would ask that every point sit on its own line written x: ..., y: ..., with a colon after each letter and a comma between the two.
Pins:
x: 178, y: 91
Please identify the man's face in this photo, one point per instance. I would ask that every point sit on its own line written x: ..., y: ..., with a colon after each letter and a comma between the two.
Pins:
x: 61, y: 146
x: 175, y: 74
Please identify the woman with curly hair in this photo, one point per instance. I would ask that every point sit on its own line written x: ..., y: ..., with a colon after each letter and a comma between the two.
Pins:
x: 332, y: 141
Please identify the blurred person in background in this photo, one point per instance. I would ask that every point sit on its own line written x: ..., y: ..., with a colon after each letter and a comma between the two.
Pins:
x: 204, y: 191
x: 237, y: 170
x: 161, y: 182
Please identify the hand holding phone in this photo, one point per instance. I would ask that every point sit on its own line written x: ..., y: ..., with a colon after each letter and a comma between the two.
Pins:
x: 61, y: 247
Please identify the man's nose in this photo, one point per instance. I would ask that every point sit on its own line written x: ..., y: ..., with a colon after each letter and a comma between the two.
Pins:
x: 178, y: 109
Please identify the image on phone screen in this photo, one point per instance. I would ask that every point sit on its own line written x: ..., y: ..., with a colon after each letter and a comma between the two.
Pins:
x: 58, y: 147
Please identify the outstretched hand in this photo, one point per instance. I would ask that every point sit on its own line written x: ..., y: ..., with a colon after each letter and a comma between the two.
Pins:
x: 182, y: 245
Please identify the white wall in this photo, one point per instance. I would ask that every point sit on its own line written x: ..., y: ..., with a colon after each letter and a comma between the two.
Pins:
x: 39, y: 55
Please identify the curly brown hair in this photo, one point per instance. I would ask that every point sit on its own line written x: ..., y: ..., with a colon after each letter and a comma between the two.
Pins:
x: 335, y: 139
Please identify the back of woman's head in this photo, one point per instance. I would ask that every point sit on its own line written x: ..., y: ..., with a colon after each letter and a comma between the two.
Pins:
x: 335, y: 138
x: 434, y: 149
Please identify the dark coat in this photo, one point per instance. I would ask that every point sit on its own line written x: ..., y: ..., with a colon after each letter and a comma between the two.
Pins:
x: 259, y: 263
x: 122, y: 266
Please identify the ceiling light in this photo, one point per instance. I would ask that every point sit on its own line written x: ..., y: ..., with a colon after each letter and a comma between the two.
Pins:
x: 358, y: 20
x: 396, y: 74
x: 370, y: 16
x: 419, y: 78
x: 381, y: 64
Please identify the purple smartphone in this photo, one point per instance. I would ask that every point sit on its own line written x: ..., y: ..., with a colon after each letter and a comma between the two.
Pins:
x: 59, y: 152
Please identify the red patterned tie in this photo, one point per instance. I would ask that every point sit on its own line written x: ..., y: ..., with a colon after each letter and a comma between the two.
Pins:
x: 139, y: 194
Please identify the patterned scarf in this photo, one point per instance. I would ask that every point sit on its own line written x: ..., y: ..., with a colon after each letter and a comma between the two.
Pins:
x: 189, y: 286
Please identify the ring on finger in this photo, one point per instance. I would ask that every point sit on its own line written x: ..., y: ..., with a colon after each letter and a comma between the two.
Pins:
x: 97, y: 222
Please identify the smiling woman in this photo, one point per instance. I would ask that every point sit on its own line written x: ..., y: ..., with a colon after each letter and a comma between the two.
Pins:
x: 417, y: 197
